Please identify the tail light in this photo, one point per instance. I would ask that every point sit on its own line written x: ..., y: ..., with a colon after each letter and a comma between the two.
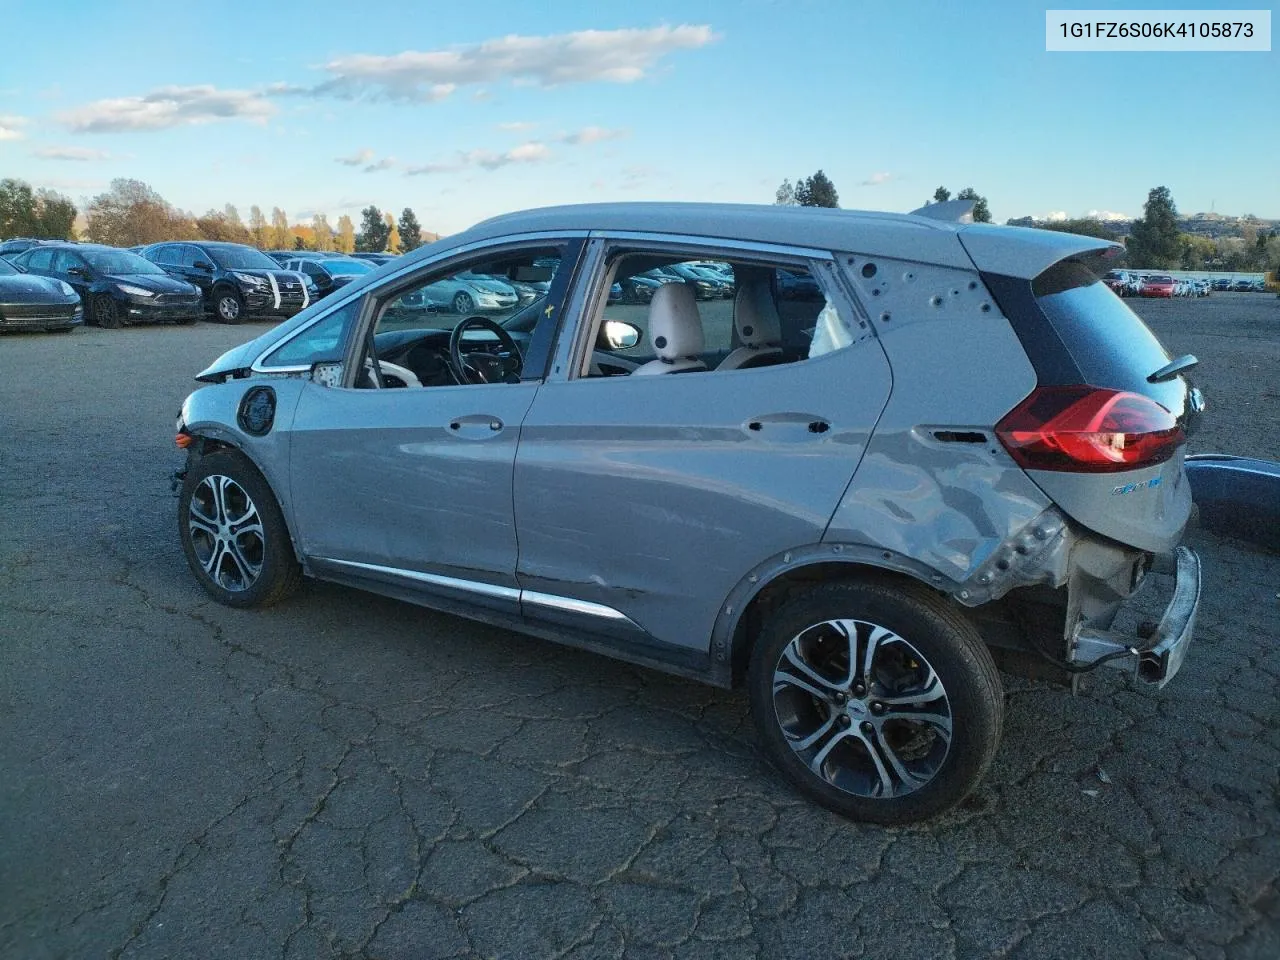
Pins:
x: 1088, y: 430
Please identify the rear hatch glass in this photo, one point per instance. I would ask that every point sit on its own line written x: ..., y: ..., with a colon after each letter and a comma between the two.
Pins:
x: 1108, y: 342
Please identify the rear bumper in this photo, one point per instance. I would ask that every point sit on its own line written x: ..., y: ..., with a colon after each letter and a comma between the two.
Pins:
x: 1154, y: 659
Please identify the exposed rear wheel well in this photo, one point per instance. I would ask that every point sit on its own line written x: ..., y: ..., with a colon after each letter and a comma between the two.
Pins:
x: 786, y: 586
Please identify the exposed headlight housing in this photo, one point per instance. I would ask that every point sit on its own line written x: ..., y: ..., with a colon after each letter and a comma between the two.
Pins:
x: 134, y: 291
x: 66, y: 288
x: 249, y: 279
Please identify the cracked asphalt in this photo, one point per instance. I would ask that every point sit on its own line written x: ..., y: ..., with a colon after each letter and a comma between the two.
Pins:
x: 348, y: 776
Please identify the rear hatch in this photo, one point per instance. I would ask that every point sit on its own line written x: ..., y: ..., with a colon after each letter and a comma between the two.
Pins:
x: 1104, y: 433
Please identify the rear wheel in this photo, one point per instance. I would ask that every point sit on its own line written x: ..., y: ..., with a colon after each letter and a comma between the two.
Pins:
x: 233, y: 533
x: 228, y: 305
x: 878, y: 700
x: 106, y: 313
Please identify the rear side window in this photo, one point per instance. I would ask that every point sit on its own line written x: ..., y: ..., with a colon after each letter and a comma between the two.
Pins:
x: 1108, y: 341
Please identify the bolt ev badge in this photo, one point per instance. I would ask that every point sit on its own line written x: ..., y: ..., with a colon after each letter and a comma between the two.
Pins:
x: 1131, y: 487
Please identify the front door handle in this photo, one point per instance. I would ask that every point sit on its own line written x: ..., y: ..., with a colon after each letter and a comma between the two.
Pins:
x: 476, y: 425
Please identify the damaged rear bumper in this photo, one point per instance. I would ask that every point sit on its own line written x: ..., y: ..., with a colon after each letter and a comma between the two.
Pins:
x: 1154, y: 659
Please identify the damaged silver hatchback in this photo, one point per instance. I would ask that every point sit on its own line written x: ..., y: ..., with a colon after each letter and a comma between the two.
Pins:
x: 848, y: 461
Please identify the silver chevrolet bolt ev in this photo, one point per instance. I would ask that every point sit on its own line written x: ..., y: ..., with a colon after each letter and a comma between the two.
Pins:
x: 905, y: 449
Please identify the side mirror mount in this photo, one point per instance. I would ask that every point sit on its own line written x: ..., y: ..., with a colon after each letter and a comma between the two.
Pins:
x: 80, y: 272
x: 621, y: 335
x: 203, y: 265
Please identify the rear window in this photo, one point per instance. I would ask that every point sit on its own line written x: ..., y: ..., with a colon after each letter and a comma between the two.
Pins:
x: 1108, y: 341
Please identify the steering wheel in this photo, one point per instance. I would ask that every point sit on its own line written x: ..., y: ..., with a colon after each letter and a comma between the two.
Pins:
x: 482, y: 366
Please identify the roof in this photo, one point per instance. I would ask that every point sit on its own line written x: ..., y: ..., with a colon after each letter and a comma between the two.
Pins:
x: 1014, y: 251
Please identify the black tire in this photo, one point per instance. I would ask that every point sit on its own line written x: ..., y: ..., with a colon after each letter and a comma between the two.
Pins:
x: 941, y: 639
x: 278, y: 573
x: 106, y: 313
x: 463, y: 303
x: 228, y: 305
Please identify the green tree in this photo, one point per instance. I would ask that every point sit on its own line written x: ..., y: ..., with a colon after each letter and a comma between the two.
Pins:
x: 258, y: 227
x: 817, y: 191
x: 280, y: 237
x: 55, y: 215
x: 1154, y: 240
x: 28, y: 213
x: 410, y: 230
x: 374, y: 232
x: 941, y: 195
x: 785, y: 195
x: 981, y: 213
x: 1084, y: 226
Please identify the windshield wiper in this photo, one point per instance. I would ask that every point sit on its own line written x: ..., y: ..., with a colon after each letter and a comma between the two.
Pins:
x: 1173, y: 368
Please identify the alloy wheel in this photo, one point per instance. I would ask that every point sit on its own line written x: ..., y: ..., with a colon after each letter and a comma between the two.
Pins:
x: 862, y: 708
x: 226, y: 533
x: 462, y: 303
x: 228, y: 308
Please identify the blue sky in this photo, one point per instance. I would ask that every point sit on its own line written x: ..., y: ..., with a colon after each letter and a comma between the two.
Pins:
x: 465, y: 110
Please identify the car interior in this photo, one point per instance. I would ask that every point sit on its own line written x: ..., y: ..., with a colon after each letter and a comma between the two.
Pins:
x: 664, y: 314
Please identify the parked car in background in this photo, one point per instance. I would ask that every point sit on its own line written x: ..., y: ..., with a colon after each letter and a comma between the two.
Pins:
x: 1159, y: 286
x: 116, y: 286
x: 284, y: 256
x: 330, y: 273
x: 850, y: 510
x: 235, y: 280
x: 9, y: 248
x: 34, y: 302
x: 798, y: 286
x: 378, y: 258
x: 1222, y: 283
x: 1117, y: 281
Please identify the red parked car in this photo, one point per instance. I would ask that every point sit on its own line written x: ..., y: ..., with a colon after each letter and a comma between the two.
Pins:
x: 1159, y: 287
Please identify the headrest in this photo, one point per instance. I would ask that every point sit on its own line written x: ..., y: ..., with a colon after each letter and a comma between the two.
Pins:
x: 675, y: 329
x: 755, y: 315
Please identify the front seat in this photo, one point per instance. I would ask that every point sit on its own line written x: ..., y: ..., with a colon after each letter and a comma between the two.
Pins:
x: 759, y: 328
x: 675, y: 331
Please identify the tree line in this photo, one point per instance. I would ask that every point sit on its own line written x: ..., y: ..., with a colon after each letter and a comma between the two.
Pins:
x: 131, y: 213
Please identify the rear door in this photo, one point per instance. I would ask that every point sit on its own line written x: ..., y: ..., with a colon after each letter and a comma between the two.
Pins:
x: 646, y: 499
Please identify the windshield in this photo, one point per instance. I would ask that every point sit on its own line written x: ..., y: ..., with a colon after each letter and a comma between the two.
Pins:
x: 6, y: 268
x: 242, y: 258
x: 346, y: 268
x: 119, y: 261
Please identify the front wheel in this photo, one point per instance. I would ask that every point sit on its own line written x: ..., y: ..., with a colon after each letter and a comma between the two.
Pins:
x: 463, y: 303
x: 878, y: 700
x: 229, y: 306
x: 106, y: 313
x: 233, y: 533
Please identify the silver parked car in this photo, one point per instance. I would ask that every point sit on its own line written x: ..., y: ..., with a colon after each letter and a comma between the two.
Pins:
x: 960, y: 449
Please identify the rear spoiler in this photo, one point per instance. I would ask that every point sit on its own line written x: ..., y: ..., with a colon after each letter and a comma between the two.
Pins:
x: 950, y: 211
x: 1027, y: 252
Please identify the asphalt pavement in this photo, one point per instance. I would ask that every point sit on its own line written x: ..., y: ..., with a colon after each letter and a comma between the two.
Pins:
x: 348, y: 776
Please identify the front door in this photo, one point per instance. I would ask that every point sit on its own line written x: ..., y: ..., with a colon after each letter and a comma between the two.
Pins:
x: 402, y: 474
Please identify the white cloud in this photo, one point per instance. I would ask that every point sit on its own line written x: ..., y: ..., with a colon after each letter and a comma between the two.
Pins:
x: 1055, y: 216
x: 532, y: 152
x: 612, y: 56
x: 168, y: 107
x: 71, y: 153
x: 1105, y: 215
x: 359, y: 158
x: 591, y: 135
x: 876, y: 179
x: 9, y: 125
x: 386, y: 163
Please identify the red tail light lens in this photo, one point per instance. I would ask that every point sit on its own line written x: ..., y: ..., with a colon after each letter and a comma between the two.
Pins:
x: 1088, y: 430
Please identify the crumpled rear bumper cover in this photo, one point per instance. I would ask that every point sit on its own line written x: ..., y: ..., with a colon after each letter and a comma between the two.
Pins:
x: 1154, y: 659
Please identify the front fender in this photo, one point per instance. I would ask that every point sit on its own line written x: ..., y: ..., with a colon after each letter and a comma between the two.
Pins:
x: 212, y: 413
